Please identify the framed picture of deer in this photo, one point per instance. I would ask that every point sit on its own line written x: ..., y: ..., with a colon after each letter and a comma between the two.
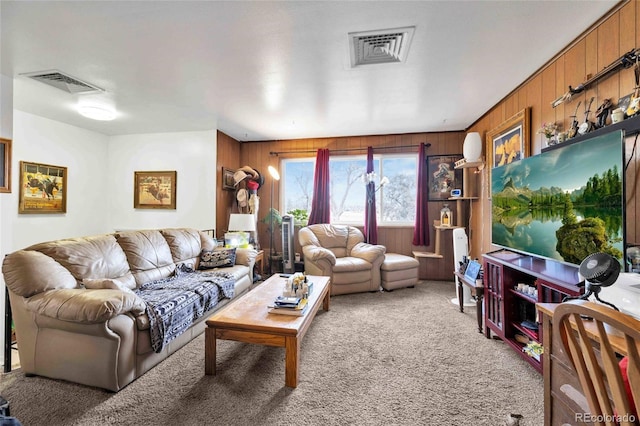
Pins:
x: 154, y: 190
x: 43, y: 188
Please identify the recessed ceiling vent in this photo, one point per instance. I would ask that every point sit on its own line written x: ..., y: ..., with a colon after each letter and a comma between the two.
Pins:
x: 380, y: 47
x: 63, y: 81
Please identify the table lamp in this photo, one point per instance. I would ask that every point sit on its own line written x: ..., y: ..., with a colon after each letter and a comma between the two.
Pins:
x: 240, y: 227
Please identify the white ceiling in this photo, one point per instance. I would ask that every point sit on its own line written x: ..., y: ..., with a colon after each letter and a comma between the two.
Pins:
x: 263, y: 70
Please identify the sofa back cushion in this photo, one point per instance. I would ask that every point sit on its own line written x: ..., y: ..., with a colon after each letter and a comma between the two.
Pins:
x: 28, y: 272
x: 93, y: 257
x: 340, y: 239
x: 185, y: 245
x: 206, y: 241
x: 148, y: 254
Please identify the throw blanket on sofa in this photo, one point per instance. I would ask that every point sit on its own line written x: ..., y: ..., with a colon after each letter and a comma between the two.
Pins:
x: 174, y: 303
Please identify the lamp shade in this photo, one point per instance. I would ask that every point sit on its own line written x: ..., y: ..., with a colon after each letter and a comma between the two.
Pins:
x: 242, y: 222
x: 472, y: 147
x: 274, y: 172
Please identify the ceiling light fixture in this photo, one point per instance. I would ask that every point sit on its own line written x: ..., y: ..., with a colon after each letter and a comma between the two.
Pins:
x: 97, y: 112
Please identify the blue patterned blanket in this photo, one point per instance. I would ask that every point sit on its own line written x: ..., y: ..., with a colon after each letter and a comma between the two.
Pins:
x: 175, y: 303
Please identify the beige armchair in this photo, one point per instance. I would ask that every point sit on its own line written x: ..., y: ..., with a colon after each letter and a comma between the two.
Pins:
x: 340, y: 252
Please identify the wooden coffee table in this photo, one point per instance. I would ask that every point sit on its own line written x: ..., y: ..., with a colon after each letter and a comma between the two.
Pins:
x: 247, y: 320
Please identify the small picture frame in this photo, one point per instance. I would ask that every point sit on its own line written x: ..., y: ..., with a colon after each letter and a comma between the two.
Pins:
x: 624, y: 102
x: 43, y: 189
x: 443, y: 176
x: 227, y: 179
x: 5, y: 163
x: 472, y: 271
x: 154, y: 190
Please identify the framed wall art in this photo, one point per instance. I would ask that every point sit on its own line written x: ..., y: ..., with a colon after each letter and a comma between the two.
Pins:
x: 154, y: 190
x: 5, y: 163
x: 227, y: 179
x: 442, y: 176
x: 509, y: 141
x: 43, y: 188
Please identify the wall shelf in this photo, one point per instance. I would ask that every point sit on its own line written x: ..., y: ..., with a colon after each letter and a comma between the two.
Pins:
x: 464, y: 164
x: 631, y: 126
x: 436, y: 254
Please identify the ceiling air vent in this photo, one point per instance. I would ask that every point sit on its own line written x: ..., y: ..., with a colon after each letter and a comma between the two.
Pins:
x: 63, y: 81
x: 380, y: 47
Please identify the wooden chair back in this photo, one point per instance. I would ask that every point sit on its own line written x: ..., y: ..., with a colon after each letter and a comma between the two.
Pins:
x: 595, y: 337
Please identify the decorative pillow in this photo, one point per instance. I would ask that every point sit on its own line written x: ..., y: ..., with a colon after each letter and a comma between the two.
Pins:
x: 219, y: 258
x: 105, y: 284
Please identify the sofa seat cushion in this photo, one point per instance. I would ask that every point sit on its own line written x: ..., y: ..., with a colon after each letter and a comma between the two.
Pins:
x: 351, y: 270
x: 351, y: 264
x: 175, y: 303
x: 236, y: 271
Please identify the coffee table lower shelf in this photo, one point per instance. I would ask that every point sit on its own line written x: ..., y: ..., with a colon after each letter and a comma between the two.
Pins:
x: 248, y: 320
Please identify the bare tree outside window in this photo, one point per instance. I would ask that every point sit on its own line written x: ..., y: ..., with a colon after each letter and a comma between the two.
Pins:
x: 346, y: 176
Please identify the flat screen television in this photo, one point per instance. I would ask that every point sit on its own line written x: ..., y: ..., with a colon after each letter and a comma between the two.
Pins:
x: 564, y: 203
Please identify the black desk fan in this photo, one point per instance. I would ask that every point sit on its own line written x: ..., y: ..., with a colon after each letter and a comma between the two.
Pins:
x: 599, y: 270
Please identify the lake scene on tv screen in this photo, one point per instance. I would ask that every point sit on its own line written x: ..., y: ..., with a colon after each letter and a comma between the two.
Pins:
x: 563, y: 204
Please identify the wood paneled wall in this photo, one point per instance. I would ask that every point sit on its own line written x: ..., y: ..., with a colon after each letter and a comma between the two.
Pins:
x: 396, y: 239
x: 607, y: 40
x: 228, y: 155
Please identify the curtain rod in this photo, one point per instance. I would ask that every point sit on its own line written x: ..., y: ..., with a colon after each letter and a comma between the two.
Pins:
x: 277, y: 153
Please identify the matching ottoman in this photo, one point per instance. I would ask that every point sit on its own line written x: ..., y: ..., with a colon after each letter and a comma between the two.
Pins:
x: 398, y: 271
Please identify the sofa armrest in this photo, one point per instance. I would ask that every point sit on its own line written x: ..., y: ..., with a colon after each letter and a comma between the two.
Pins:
x: 318, y: 260
x: 317, y: 254
x: 368, y: 252
x: 85, y: 306
x: 246, y: 257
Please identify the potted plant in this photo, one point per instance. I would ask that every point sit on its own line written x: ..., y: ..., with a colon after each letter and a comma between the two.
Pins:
x: 272, y: 219
x: 300, y: 216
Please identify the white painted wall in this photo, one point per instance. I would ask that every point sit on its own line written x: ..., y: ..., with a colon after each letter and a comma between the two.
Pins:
x: 6, y: 107
x: 191, y: 154
x: 100, y: 182
x: 83, y: 152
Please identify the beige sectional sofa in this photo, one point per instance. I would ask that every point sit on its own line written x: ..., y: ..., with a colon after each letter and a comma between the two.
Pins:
x: 100, y: 336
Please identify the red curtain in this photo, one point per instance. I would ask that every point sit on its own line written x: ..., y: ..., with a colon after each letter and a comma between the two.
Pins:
x: 370, y: 221
x: 321, y: 203
x: 421, y: 230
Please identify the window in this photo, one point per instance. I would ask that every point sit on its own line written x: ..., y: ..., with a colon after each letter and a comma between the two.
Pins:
x: 395, y: 202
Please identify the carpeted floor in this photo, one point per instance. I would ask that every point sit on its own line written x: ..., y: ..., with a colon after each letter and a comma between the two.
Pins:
x: 406, y: 357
